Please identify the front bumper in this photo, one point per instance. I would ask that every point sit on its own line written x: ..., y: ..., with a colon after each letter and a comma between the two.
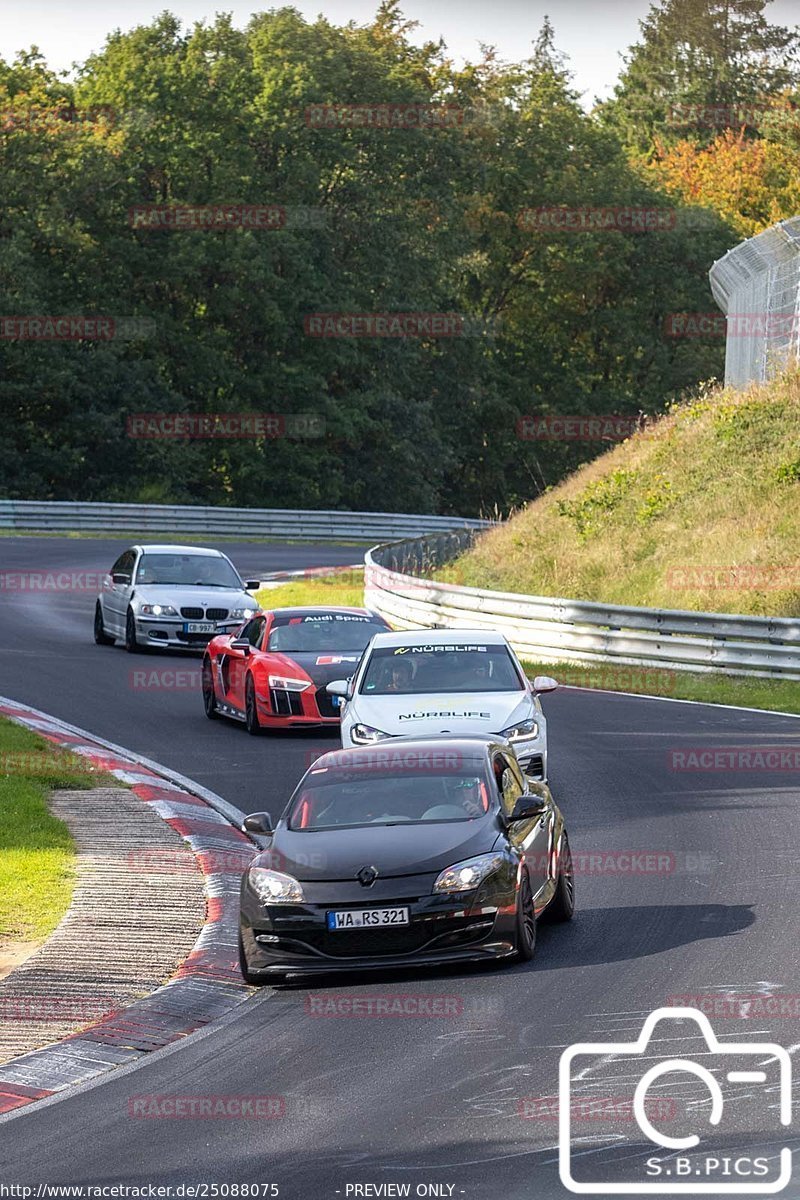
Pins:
x: 282, y: 709
x: 295, y: 940
x: 168, y: 632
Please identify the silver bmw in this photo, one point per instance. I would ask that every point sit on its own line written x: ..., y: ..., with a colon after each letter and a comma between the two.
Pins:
x: 176, y: 597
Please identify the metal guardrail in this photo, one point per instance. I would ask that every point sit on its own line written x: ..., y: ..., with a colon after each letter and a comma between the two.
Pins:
x: 547, y: 629
x: 757, y: 284
x: 62, y: 515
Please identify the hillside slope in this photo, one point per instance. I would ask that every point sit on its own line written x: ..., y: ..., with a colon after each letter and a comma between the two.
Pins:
x: 699, y: 511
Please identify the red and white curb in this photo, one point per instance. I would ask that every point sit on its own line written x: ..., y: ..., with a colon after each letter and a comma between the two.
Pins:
x: 206, y: 985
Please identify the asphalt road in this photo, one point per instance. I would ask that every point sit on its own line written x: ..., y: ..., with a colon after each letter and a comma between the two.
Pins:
x: 462, y: 1102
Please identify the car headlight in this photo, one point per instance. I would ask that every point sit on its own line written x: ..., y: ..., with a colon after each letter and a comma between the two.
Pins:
x: 464, y: 876
x: 241, y: 614
x: 362, y: 735
x: 273, y: 887
x: 158, y: 610
x: 520, y: 730
x: 287, y: 684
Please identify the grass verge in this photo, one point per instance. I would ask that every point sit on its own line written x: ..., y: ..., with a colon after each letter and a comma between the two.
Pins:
x: 345, y: 588
x: 37, y: 854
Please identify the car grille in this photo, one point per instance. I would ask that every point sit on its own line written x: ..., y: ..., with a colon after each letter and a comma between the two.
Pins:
x: 193, y: 639
x: 325, y: 704
x: 285, y: 704
x: 196, y: 614
x: 361, y: 943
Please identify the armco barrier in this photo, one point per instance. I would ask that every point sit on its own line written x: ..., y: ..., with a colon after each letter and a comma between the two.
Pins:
x: 546, y: 629
x: 62, y: 515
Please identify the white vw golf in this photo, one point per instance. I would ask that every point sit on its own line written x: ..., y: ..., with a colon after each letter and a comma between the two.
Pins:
x: 445, y: 682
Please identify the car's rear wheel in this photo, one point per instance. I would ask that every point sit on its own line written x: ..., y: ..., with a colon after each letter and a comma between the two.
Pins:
x: 209, y: 696
x: 247, y: 974
x: 100, y: 635
x: 250, y: 709
x: 131, y: 644
x: 526, y: 920
x: 562, y: 906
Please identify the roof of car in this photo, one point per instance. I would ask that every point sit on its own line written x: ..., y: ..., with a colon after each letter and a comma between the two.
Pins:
x: 438, y: 637
x: 312, y: 610
x: 158, y: 548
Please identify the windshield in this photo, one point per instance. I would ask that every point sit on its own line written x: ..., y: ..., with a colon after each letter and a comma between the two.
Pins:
x: 323, y: 631
x: 424, y: 669
x: 205, y: 570
x: 338, y: 798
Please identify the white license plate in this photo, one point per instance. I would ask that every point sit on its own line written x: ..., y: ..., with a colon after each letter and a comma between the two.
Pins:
x: 199, y: 627
x: 366, y: 918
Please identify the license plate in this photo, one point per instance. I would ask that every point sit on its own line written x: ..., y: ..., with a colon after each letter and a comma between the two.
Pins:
x: 199, y: 627
x: 336, y: 701
x: 366, y: 918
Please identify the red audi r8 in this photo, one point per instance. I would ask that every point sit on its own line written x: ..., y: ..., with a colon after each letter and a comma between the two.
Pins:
x: 271, y: 673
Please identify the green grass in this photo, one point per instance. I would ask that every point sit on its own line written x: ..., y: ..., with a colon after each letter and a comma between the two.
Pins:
x: 700, y: 511
x: 777, y: 695
x: 345, y: 588
x: 37, y: 854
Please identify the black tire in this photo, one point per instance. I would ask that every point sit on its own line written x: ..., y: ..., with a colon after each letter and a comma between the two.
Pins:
x: 247, y: 974
x: 526, y: 921
x: 209, y: 697
x: 131, y: 644
x: 250, y: 710
x: 562, y: 906
x: 100, y: 636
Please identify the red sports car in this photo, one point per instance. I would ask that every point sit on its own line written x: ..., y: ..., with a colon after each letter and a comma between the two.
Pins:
x: 271, y: 673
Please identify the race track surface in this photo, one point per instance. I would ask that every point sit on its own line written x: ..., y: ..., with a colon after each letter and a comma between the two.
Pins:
x: 463, y: 1100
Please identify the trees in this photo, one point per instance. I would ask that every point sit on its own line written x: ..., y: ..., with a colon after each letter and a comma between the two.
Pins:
x: 700, y: 66
x: 379, y: 219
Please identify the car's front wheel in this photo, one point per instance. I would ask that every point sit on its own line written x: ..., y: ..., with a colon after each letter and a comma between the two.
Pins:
x: 100, y: 636
x: 250, y: 710
x: 209, y: 696
x: 526, y: 920
x: 562, y: 906
x: 131, y: 644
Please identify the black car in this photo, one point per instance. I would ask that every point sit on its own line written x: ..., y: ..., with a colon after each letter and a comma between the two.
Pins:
x: 428, y: 850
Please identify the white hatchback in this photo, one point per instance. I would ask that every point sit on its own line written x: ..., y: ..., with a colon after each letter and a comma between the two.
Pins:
x: 445, y: 682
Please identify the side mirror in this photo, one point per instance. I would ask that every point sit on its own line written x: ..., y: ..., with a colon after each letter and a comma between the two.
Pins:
x: 120, y: 578
x: 528, y: 806
x: 252, y: 585
x: 241, y: 644
x: 339, y: 687
x: 544, y: 683
x: 260, y: 822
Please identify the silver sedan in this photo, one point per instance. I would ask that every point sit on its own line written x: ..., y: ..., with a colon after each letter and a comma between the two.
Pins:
x: 171, y: 596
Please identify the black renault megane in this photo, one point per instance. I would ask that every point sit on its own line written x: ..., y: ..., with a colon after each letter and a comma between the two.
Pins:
x: 425, y: 851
